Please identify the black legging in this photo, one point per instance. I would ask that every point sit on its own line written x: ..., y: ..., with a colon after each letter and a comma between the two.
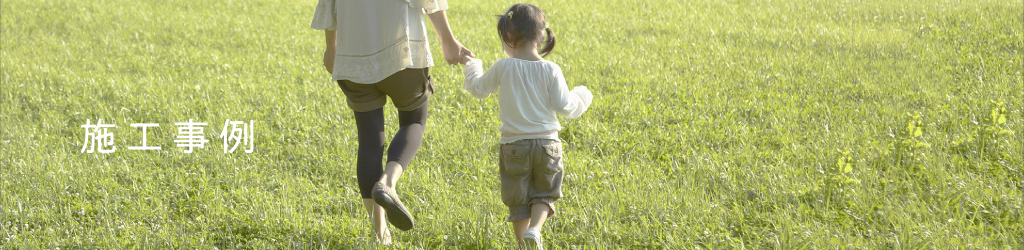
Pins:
x: 371, y: 143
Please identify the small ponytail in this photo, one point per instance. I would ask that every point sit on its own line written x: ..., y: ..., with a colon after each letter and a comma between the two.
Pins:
x: 549, y: 43
x: 525, y: 23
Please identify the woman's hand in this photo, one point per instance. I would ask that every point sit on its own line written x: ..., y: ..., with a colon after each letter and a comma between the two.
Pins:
x: 330, y: 38
x: 329, y: 60
x: 454, y: 52
x: 452, y: 49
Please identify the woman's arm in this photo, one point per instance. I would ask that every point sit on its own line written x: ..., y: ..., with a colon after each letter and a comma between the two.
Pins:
x: 331, y: 39
x: 452, y: 49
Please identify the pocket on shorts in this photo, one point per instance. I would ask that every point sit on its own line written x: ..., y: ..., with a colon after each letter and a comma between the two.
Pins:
x: 554, y: 154
x: 516, y: 158
x: 429, y: 88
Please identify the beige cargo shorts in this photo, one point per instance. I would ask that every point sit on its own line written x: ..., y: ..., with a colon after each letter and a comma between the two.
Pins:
x: 530, y: 172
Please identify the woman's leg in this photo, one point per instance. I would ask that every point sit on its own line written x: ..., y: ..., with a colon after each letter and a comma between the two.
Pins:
x: 409, y: 90
x: 377, y: 218
x: 405, y: 144
x: 370, y: 126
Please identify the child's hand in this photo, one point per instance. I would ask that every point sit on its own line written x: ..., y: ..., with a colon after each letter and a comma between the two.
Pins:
x: 584, y: 93
x: 465, y: 59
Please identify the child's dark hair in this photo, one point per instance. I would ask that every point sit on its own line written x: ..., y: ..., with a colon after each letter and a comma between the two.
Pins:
x: 524, y: 23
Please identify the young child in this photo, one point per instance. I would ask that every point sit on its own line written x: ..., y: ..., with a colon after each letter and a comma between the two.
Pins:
x: 531, y: 91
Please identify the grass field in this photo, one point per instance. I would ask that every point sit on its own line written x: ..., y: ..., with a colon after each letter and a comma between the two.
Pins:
x: 716, y: 124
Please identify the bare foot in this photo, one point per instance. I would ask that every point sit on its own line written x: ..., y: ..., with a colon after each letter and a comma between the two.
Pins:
x: 384, y: 238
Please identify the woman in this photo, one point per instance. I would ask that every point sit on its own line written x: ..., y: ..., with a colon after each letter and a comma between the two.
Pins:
x: 376, y: 49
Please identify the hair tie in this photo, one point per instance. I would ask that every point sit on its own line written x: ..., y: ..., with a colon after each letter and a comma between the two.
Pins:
x: 509, y: 15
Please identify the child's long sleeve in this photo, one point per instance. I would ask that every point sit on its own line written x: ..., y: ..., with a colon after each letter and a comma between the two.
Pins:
x: 573, y: 103
x: 479, y: 83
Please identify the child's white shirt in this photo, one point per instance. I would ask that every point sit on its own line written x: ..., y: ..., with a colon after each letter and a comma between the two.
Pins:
x: 377, y: 38
x: 531, y: 93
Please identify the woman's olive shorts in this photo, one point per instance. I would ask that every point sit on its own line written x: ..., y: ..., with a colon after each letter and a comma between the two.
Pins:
x: 408, y: 89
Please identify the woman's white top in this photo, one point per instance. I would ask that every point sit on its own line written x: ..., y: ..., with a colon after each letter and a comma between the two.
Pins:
x: 376, y: 38
x: 530, y: 93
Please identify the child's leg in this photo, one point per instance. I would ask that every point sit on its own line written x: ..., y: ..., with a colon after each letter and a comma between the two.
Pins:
x: 546, y: 187
x: 538, y: 214
x: 520, y: 227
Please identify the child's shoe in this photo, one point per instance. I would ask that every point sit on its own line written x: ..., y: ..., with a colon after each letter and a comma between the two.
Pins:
x: 533, y: 239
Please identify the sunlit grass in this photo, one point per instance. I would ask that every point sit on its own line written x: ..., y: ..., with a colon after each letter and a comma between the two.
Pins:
x: 820, y: 124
